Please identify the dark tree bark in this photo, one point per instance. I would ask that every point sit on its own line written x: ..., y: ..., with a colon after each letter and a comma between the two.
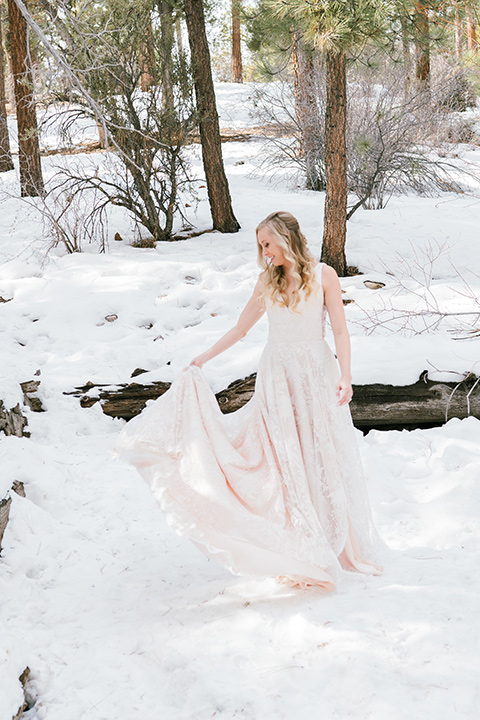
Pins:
x: 306, y: 112
x: 223, y: 217
x: 6, y: 162
x: 335, y: 219
x: 31, y: 180
x: 422, y: 44
x: 237, y: 71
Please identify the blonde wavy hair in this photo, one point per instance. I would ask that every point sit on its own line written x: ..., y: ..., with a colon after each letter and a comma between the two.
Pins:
x: 290, y: 238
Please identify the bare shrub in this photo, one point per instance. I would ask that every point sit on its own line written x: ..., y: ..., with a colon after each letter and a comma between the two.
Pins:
x: 455, y: 91
x: 73, y: 218
x: 411, y: 303
x: 398, y: 136
x: 394, y: 135
x: 275, y: 111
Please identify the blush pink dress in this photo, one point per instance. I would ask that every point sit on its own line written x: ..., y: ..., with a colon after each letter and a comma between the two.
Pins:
x: 275, y: 488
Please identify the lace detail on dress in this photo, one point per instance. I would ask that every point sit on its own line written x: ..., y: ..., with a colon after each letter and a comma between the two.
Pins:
x: 275, y: 488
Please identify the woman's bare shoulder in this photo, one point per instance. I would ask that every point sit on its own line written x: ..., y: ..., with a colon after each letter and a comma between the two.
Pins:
x: 330, y: 279
x: 261, y: 281
x: 328, y: 271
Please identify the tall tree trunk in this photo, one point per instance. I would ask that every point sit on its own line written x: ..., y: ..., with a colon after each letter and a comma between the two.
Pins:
x: 147, y: 77
x: 168, y: 36
x: 407, y: 58
x: 237, y: 72
x: 223, y: 217
x: 335, y: 218
x: 422, y: 44
x: 306, y: 112
x: 472, y: 42
x: 458, y: 32
x: 31, y: 180
x: 6, y: 162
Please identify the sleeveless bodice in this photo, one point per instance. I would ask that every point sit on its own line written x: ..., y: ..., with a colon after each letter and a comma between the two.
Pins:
x: 304, y: 324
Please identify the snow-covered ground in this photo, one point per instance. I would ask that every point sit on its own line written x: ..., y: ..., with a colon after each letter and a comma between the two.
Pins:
x: 119, y: 618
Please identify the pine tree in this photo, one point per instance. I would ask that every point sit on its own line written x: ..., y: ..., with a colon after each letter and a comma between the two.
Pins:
x: 337, y: 28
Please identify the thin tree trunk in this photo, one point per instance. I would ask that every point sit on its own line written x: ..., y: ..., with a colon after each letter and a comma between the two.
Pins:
x: 407, y: 58
x: 472, y: 42
x: 306, y: 112
x: 223, y: 217
x: 147, y: 78
x: 31, y: 180
x: 237, y: 72
x: 422, y: 28
x: 6, y: 162
x: 335, y: 219
x: 168, y: 37
x: 458, y: 33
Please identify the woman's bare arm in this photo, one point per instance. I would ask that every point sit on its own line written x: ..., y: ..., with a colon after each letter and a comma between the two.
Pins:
x: 251, y: 314
x: 334, y: 303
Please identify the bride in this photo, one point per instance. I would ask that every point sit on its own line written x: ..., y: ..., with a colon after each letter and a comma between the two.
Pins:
x: 275, y: 488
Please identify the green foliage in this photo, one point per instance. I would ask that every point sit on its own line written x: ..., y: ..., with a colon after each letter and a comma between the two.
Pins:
x: 267, y: 29
x: 270, y: 39
x: 339, y: 25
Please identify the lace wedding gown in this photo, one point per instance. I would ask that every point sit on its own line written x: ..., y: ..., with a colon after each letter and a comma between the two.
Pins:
x: 275, y: 488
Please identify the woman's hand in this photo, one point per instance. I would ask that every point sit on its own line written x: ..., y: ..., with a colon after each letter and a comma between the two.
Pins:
x: 200, y: 360
x: 344, y: 391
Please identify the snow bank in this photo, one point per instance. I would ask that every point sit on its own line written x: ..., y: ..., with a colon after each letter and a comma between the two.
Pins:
x: 116, y: 616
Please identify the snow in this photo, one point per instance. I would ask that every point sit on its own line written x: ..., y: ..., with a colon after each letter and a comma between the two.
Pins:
x: 118, y: 617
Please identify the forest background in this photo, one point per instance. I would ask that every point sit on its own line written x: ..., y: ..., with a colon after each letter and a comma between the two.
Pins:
x: 410, y: 66
x: 140, y: 144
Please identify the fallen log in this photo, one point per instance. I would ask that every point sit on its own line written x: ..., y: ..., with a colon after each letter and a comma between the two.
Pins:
x: 121, y: 401
x: 26, y: 705
x: 422, y: 404
x: 13, y: 421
